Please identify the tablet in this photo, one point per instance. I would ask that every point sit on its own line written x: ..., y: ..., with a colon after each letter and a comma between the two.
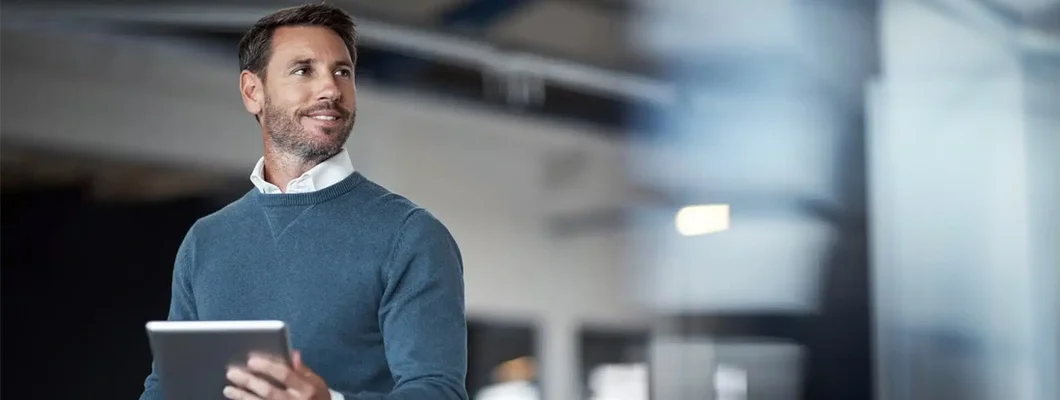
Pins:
x: 192, y: 357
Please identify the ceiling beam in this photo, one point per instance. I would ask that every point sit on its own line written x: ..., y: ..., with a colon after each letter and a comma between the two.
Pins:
x: 477, y: 15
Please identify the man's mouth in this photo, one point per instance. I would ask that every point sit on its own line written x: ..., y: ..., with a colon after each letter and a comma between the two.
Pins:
x: 325, y: 115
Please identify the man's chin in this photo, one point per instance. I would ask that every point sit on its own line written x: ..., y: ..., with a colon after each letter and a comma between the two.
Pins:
x: 312, y: 145
x: 319, y: 133
x: 320, y: 150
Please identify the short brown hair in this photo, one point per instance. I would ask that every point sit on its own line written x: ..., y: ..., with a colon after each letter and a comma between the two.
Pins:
x: 255, y: 47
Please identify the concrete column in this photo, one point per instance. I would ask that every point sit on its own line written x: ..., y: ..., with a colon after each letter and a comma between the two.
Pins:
x: 559, y: 358
x: 965, y: 165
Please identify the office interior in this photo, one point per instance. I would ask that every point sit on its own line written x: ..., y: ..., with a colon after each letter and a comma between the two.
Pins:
x: 655, y: 199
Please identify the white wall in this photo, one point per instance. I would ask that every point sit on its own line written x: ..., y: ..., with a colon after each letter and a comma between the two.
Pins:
x: 481, y: 172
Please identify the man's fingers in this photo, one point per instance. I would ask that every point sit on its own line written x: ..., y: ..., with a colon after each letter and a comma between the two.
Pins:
x: 296, y: 358
x: 235, y: 393
x: 278, y: 370
x: 255, y: 385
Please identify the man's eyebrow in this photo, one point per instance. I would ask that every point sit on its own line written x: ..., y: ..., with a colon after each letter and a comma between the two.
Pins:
x: 311, y: 61
x: 301, y: 61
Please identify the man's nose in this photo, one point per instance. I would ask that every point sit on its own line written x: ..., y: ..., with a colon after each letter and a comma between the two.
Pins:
x: 328, y: 89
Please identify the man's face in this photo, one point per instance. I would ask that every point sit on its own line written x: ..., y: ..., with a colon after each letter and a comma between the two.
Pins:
x: 309, y: 104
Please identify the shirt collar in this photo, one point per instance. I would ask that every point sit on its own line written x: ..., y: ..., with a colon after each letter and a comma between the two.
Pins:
x: 327, y: 173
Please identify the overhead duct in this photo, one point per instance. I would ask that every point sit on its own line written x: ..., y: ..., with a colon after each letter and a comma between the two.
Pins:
x: 1005, y: 26
x: 433, y: 45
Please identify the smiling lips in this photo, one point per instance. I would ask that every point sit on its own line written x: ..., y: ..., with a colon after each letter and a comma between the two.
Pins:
x: 325, y: 115
x: 329, y: 117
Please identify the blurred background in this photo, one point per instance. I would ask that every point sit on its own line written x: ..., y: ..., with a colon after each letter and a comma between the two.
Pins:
x: 666, y: 199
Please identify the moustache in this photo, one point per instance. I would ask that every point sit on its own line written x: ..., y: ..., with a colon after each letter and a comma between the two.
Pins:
x: 330, y: 106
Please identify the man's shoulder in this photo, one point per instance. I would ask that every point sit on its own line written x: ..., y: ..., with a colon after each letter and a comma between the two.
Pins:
x: 388, y: 206
x: 230, y: 213
x: 395, y: 213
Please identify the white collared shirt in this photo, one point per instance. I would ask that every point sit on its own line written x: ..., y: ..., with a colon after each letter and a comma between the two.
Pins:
x: 327, y: 173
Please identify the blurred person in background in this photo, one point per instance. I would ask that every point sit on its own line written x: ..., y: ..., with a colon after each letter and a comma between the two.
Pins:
x: 370, y: 284
x: 513, y: 380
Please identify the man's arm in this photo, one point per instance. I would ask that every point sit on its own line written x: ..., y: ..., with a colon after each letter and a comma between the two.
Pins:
x: 421, y: 314
x: 181, y: 305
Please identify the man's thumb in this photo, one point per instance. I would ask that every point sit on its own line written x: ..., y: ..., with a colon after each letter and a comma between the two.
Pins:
x: 296, y: 359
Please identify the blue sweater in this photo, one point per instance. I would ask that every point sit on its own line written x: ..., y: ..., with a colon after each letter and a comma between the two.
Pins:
x: 370, y: 285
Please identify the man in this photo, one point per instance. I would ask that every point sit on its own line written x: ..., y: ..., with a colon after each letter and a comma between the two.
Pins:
x: 512, y: 380
x: 370, y: 285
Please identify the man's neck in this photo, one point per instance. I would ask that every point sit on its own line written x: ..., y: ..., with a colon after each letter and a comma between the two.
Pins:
x: 280, y: 169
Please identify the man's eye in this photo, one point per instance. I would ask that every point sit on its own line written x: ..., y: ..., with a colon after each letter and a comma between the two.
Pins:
x: 301, y: 71
x: 344, y: 72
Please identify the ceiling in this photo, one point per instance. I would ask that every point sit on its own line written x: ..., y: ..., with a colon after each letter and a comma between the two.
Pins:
x: 599, y: 44
x: 594, y: 32
x: 579, y: 51
x: 1043, y: 15
x: 591, y: 31
x: 1026, y: 7
x: 599, y: 33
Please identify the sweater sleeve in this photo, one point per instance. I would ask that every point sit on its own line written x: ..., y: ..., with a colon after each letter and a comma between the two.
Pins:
x: 421, y: 315
x: 181, y: 305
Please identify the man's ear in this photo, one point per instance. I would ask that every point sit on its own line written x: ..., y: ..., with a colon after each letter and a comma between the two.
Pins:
x: 252, y: 90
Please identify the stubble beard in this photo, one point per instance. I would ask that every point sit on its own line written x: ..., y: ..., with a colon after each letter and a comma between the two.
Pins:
x: 289, y: 136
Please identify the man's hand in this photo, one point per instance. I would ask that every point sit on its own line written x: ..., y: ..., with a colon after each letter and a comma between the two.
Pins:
x: 253, y: 382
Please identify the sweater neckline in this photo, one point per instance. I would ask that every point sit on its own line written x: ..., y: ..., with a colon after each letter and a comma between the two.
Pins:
x: 309, y: 198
